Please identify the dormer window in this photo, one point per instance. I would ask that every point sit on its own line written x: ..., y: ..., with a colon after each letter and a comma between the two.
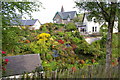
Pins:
x: 94, y: 19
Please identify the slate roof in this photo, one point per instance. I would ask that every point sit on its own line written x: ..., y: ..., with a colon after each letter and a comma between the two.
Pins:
x: 22, y: 63
x: 65, y: 15
x: 24, y: 22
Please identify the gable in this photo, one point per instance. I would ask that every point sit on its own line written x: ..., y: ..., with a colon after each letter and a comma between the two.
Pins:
x: 86, y: 17
x: 65, y: 15
x: 56, y: 15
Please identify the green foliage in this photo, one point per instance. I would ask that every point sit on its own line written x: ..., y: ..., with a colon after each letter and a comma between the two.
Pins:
x: 101, y: 45
x: 70, y: 27
x: 60, y: 34
x: 10, y: 39
x: 14, y: 40
x: 79, y: 18
x: 59, y: 24
x: 115, y: 45
x: 97, y: 10
x: 104, y: 29
x: 72, y: 49
x: 44, y: 29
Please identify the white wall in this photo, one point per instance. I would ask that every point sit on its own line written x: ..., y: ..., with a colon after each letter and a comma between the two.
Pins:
x: 115, y: 28
x: 36, y: 25
x: 90, y: 25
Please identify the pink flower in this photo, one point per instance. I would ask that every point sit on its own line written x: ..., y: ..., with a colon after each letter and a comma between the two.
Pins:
x: 6, y: 60
x: 3, y: 52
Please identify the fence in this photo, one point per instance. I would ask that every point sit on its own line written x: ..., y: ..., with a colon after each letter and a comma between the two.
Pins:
x: 96, y: 71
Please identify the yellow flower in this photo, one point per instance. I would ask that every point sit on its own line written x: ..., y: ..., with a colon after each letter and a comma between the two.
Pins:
x: 51, y: 39
x: 43, y: 36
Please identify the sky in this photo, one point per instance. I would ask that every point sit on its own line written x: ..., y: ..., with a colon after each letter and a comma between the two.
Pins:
x: 51, y: 7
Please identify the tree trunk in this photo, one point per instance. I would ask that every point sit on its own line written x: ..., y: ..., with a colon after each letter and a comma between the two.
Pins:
x: 109, y: 39
x: 109, y: 48
x: 119, y: 35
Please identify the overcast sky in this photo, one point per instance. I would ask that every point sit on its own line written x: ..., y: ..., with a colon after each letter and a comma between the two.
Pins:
x: 51, y: 7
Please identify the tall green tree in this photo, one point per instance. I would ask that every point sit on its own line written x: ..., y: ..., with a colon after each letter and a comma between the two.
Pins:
x: 10, y: 10
x: 103, y: 11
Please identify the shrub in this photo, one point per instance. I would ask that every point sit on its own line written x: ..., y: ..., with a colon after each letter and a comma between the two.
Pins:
x: 70, y: 27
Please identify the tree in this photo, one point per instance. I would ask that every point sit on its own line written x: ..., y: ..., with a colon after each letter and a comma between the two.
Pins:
x: 70, y: 27
x: 103, y: 11
x: 10, y: 10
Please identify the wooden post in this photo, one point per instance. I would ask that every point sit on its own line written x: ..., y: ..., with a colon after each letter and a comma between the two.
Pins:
x: 119, y: 66
x: 54, y: 75
x: 90, y: 71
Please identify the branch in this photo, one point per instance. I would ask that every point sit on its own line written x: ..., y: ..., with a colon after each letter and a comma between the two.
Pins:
x: 104, y: 13
x: 113, y: 11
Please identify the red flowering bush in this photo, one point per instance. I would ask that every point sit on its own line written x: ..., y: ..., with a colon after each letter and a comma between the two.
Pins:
x: 74, y: 69
x: 81, y: 61
x: 61, y: 41
x: 93, y: 61
x: 27, y: 41
x: 4, y: 62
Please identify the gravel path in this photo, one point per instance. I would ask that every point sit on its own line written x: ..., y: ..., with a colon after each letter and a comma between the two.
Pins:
x: 92, y: 39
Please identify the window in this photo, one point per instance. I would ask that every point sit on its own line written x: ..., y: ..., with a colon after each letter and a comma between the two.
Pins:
x: 92, y: 29
x: 95, y: 29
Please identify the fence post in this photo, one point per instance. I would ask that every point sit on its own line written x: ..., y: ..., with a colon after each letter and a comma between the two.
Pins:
x: 119, y: 66
x: 90, y: 71
x: 54, y: 75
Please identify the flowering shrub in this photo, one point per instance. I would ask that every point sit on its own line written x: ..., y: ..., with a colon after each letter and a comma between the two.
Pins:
x: 74, y: 69
x: 4, y: 62
x: 27, y: 41
x: 43, y: 36
x: 61, y: 41
x: 81, y: 61
x: 93, y: 61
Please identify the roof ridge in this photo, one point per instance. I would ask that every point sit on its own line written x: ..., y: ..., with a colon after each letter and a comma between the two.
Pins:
x: 29, y: 19
x: 67, y: 12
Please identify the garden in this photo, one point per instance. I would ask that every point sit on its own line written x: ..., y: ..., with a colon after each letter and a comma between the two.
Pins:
x: 62, y: 49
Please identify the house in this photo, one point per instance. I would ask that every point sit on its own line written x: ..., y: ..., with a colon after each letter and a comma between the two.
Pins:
x: 64, y: 17
x: 30, y: 24
x: 90, y: 25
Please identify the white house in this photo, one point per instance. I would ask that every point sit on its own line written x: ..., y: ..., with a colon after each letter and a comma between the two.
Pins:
x: 30, y: 24
x: 92, y: 26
